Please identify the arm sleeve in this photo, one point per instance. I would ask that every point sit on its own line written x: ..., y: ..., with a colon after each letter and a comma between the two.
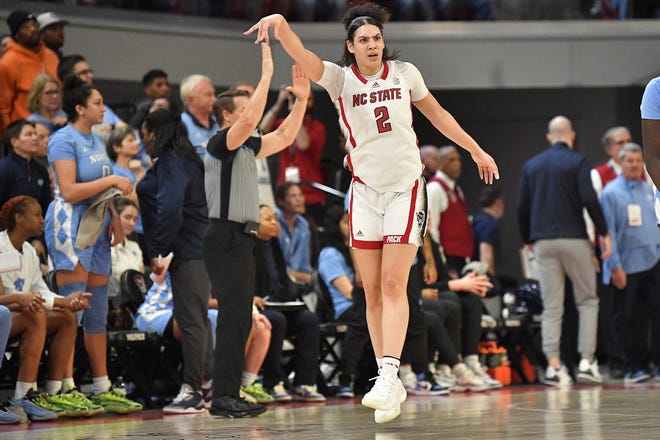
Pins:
x: 417, y: 85
x: 330, y: 265
x: 608, y: 202
x: 589, y: 198
x: 332, y: 79
x: 172, y: 183
x: 650, y: 107
x: 523, y: 209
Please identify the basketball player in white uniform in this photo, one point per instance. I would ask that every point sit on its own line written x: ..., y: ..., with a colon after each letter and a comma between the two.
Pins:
x: 374, y: 97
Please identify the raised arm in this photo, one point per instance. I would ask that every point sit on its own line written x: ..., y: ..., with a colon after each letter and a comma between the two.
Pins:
x: 447, y: 125
x: 241, y: 130
x: 285, y: 134
x: 308, y: 60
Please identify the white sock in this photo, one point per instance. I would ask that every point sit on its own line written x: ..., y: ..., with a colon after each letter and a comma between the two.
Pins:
x: 247, y: 379
x: 100, y: 384
x: 53, y: 386
x: 472, y: 360
x: 390, y: 366
x: 22, y: 389
x: 207, y: 385
x: 379, y: 361
x: 68, y: 384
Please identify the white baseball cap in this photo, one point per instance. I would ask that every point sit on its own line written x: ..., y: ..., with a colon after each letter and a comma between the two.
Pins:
x: 48, y: 19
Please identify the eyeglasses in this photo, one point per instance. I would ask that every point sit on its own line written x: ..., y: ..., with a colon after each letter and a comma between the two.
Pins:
x: 85, y: 72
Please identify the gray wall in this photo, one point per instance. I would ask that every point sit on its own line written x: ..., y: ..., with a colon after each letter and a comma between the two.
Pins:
x: 503, y: 80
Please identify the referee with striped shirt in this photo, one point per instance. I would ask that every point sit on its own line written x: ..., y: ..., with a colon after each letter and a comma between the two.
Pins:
x: 233, y: 204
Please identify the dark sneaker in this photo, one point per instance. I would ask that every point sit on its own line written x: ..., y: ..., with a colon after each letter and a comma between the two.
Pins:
x: 187, y: 402
x: 235, y: 408
x: 427, y: 386
x: 346, y: 392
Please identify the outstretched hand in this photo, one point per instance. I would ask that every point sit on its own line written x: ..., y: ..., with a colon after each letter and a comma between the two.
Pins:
x: 262, y: 26
x: 300, y: 88
x: 486, y: 165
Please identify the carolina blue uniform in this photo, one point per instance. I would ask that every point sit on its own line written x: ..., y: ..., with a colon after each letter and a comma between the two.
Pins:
x: 63, y: 218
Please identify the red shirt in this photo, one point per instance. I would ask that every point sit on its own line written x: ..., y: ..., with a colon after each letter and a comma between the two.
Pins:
x: 308, y: 161
x: 455, y: 230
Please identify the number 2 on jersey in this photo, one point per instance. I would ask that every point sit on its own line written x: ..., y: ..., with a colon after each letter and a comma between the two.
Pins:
x: 382, y: 119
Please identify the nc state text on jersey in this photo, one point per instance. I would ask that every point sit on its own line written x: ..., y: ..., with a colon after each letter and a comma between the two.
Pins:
x: 377, y: 96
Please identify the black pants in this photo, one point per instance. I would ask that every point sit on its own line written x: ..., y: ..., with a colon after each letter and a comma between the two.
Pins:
x: 230, y: 263
x: 356, y: 336
x: 471, y: 309
x: 303, y: 326
x: 415, y: 347
x: 444, y: 327
x: 190, y: 295
x: 640, y: 286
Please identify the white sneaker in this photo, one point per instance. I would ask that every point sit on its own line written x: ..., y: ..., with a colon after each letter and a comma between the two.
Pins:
x: 466, y: 380
x: 444, y: 376
x: 409, y: 380
x: 482, y: 374
x: 589, y: 371
x: 384, y: 392
x: 557, y: 377
x: 387, y: 416
x: 187, y: 402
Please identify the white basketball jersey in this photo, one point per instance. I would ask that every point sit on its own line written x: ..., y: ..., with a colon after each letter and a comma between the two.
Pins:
x: 375, y: 116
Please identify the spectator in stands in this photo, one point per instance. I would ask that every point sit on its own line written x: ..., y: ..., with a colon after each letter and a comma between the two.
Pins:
x: 45, y: 103
x: 295, y: 233
x: 650, y: 109
x: 486, y: 227
x: 175, y: 217
x: 455, y: 336
x: 20, y: 174
x: 302, y: 159
x: 601, y: 175
x: 634, y: 266
x: 338, y: 272
x: 156, y: 84
x: 273, y: 284
x: 448, y: 211
x: 155, y: 315
x: 429, y: 155
x: 37, y: 313
x: 25, y: 58
x: 76, y: 65
x: 554, y: 189
x: 4, y: 41
x: 198, y: 95
x: 127, y: 254
x: 81, y: 256
x: 122, y: 147
x: 43, y: 136
x: 51, y: 28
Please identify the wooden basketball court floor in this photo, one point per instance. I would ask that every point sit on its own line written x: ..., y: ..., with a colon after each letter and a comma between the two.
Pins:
x: 611, y: 411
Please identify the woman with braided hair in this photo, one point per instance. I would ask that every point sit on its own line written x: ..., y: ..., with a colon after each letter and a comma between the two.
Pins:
x: 36, y: 313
